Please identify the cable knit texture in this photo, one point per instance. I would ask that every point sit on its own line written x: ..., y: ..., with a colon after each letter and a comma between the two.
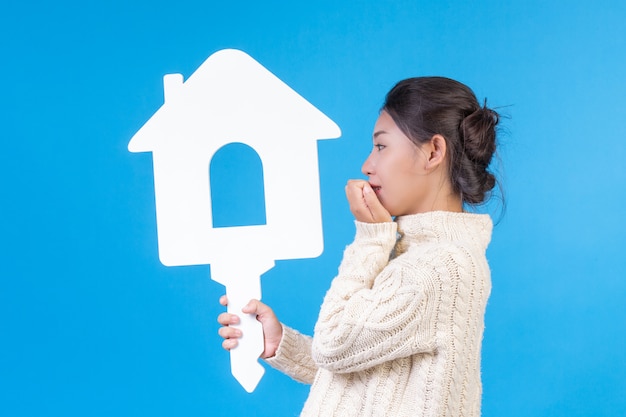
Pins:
x: 400, y: 329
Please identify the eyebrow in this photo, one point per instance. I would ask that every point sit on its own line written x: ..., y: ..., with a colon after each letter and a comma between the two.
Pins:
x: 378, y: 133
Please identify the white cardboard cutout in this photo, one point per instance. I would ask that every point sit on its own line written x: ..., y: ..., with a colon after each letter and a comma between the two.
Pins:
x: 232, y: 98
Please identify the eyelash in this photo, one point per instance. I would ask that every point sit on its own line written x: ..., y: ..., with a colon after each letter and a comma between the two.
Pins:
x: 379, y: 146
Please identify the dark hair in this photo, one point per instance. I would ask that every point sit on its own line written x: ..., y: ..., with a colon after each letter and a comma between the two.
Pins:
x: 425, y: 106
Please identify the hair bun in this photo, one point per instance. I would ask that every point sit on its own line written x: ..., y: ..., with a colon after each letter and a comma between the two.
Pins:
x: 478, y: 133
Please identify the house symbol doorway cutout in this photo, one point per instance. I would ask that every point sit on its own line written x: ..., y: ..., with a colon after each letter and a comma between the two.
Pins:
x: 237, y: 189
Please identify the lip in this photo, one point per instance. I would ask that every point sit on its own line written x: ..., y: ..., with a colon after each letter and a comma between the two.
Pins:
x: 375, y: 187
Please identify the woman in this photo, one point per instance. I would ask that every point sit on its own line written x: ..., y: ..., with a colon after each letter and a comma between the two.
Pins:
x: 400, y: 329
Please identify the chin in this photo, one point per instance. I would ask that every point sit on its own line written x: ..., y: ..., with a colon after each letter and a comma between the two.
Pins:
x: 392, y: 212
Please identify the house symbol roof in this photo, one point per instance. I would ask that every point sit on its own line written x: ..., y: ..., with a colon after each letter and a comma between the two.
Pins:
x: 230, y: 97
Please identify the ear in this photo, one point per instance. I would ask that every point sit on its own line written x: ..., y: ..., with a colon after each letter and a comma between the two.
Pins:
x: 435, y: 151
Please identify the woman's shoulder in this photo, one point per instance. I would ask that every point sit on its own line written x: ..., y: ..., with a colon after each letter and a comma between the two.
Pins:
x: 437, y: 259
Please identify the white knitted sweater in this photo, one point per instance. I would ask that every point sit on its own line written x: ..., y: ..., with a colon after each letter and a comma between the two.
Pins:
x: 400, y: 329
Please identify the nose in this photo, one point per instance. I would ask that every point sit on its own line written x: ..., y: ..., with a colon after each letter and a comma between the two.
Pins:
x: 368, y: 166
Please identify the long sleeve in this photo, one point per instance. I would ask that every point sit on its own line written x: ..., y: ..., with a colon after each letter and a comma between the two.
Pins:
x: 293, y: 356
x: 375, y: 310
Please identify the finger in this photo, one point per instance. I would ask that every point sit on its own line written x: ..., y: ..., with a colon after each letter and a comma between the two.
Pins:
x: 354, y: 189
x: 226, y: 319
x: 229, y: 332
x: 230, y: 344
x: 224, y: 300
x: 377, y: 211
x: 371, y: 201
x: 356, y: 183
x: 255, y: 307
x: 262, y: 311
x: 356, y: 200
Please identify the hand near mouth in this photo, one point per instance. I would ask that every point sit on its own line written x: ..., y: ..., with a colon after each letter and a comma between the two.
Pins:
x: 364, y: 204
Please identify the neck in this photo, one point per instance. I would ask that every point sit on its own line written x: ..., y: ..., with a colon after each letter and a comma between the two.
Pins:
x: 442, y: 198
x: 447, y: 201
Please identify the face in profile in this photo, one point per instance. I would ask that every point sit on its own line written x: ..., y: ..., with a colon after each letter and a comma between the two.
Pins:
x: 396, y: 169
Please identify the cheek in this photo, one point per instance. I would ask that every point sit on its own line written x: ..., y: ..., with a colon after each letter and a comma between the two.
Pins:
x: 393, y: 186
x: 404, y: 187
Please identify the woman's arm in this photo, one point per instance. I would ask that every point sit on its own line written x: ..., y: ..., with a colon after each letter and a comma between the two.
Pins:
x: 285, y: 349
x: 375, y: 311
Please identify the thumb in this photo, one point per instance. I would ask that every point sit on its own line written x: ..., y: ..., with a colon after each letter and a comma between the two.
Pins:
x: 378, y: 212
x: 253, y: 307
x: 259, y: 309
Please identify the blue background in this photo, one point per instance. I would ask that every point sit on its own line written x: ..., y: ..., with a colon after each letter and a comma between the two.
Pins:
x: 91, y: 324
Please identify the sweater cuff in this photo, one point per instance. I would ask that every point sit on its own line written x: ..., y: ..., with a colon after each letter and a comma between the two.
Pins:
x: 287, y: 345
x: 378, y: 231
x: 293, y: 356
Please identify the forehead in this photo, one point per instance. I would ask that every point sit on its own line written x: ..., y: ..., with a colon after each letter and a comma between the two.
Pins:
x: 385, y: 126
x: 384, y: 121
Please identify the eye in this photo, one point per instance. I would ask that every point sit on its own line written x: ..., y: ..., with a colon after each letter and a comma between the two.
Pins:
x: 379, y: 146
